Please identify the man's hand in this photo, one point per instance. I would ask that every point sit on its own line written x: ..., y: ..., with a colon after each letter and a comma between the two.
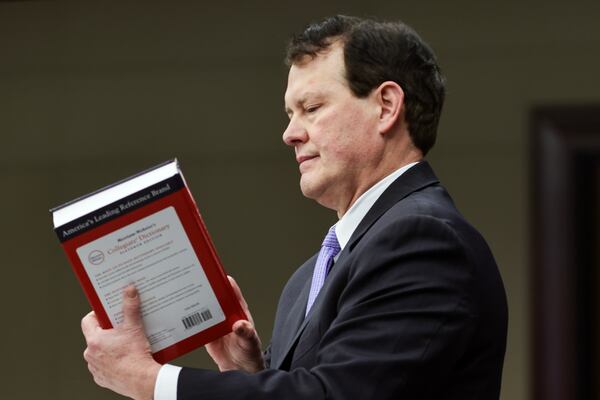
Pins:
x: 241, y: 349
x: 120, y: 358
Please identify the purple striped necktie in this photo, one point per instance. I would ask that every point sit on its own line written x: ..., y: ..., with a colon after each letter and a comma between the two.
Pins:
x: 329, y: 249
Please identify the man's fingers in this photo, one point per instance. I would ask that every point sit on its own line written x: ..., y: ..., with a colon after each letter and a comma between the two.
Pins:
x: 238, y: 293
x: 131, y: 307
x: 89, y: 323
x: 243, y: 329
x: 240, y: 297
x: 246, y: 331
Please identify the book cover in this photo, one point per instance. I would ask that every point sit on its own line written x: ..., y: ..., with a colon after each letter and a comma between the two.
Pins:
x: 146, y: 230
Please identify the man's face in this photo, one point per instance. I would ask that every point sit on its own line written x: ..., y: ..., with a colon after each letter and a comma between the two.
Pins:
x: 334, y: 133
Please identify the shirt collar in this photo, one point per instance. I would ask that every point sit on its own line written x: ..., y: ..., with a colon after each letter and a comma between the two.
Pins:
x: 346, y: 226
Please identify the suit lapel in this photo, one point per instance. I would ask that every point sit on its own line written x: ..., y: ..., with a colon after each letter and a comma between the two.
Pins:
x: 299, y: 309
x: 294, y: 318
x: 417, y: 177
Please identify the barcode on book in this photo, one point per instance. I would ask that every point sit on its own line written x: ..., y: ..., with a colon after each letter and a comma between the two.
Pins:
x: 196, y: 319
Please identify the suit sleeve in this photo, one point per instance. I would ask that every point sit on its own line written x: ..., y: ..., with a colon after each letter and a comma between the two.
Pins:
x: 404, y: 317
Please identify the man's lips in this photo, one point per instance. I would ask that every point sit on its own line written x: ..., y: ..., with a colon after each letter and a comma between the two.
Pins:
x: 301, y: 159
x: 304, y: 162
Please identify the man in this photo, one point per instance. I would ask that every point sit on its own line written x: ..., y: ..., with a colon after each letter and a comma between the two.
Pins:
x: 404, y: 300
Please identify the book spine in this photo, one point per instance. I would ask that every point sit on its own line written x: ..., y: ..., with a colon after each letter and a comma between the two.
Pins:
x: 118, y: 208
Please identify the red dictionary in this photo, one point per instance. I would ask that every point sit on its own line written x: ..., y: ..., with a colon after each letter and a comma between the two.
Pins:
x: 146, y: 230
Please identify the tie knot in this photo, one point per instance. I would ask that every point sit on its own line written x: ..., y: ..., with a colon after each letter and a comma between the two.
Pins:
x: 331, y: 240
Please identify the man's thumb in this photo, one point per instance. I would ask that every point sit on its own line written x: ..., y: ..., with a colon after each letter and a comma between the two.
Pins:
x: 131, y: 308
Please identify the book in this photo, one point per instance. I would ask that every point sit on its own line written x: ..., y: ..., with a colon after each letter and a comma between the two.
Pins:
x: 146, y: 230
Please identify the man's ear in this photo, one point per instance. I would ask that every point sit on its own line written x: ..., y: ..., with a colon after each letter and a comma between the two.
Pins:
x: 390, y: 97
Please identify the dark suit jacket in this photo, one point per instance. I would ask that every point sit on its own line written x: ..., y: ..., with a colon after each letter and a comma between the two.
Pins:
x: 414, y: 308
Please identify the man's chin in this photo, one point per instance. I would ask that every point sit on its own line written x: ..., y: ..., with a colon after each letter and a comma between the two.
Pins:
x: 315, y: 191
x: 309, y: 188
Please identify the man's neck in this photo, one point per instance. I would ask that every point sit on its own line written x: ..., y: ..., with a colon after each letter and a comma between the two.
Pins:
x: 376, y: 178
x: 346, y: 226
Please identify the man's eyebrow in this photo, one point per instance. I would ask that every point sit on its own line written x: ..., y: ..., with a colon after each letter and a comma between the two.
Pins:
x: 303, y: 99
x: 288, y: 111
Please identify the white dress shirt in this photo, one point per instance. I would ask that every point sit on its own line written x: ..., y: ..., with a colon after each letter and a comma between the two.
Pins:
x: 168, y: 375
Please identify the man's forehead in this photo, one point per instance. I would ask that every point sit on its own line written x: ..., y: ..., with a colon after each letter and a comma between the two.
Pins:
x: 331, y: 55
x: 315, y: 76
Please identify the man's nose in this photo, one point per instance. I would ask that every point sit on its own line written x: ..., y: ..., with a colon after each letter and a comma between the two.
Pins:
x: 295, y: 133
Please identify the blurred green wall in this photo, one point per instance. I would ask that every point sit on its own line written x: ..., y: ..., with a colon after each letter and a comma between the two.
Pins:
x: 92, y: 93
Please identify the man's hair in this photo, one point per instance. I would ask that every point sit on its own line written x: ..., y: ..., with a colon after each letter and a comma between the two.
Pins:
x: 376, y: 52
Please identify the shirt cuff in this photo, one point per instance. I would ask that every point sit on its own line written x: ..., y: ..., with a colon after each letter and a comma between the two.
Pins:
x: 166, y: 383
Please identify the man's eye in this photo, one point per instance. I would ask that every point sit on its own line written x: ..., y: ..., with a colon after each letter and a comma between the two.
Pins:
x: 312, y: 109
